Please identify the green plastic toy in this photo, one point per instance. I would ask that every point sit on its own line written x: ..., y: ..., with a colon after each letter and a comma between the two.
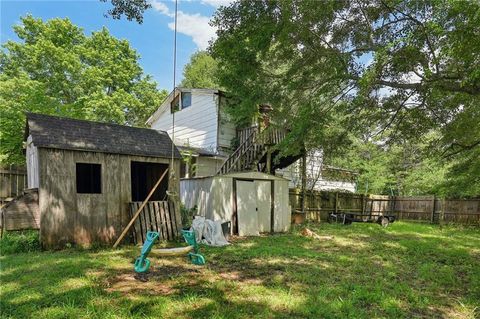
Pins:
x: 142, y: 263
x: 196, y: 258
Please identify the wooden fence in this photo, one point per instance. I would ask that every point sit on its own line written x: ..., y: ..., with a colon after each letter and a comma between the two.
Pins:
x: 13, y: 180
x: 420, y: 208
x: 160, y: 216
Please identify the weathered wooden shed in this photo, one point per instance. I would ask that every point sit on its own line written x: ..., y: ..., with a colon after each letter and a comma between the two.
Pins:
x: 88, y: 173
x: 253, y: 202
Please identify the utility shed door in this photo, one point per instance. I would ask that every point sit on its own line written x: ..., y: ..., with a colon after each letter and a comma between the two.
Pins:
x: 247, y: 208
x: 264, y: 200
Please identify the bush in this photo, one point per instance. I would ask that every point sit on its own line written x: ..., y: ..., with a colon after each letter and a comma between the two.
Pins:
x: 19, y: 242
x: 187, y: 215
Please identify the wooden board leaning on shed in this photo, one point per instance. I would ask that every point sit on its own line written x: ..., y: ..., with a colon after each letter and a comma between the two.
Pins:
x: 139, y: 210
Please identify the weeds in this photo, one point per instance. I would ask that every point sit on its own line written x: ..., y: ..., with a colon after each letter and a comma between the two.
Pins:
x: 19, y: 242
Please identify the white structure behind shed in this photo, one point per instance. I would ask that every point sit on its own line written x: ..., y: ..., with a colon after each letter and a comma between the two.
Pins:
x: 252, y: 201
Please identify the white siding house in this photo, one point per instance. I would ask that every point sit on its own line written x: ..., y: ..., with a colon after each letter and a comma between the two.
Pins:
x: 203, y: 130
x: 199, y: 123
x: 315, y: 175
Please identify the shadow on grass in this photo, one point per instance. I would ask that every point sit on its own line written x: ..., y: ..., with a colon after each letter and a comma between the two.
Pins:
x: 365, y: 271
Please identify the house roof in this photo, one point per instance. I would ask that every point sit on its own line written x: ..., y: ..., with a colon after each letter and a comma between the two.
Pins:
x: 197, y: 151
x: 71, y: 134
x: 333, y: 168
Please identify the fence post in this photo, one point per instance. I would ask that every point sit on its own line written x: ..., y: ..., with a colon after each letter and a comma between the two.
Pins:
x: 433, y: 209
x: 304, y: 181
x: 442, y: 216
x: 362, y: 196
x: 392, y: 204
x: 336, y: 202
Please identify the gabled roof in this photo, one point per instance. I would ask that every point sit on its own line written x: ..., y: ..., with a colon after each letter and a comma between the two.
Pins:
x: 71, y: 134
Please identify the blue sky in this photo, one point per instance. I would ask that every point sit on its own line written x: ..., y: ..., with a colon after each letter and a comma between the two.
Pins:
x: 153, y: 39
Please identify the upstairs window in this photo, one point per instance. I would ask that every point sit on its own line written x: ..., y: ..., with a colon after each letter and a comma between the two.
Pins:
x: 89, y: 178
x: 175, y: 104
x: 186, y: 99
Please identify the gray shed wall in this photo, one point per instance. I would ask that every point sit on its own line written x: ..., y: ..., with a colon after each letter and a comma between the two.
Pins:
x: 69, y: 217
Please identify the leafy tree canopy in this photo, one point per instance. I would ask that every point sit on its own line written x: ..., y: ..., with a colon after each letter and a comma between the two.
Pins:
x: 131, y: 9
x: 200, y: 72
x: 409, y: 68
x: 56, y: 69
x: 402, y: 168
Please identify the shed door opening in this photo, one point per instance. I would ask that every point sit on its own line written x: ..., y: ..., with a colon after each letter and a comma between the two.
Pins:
x: 247, y: 210
x: 254, y: 206
x: 144, y: 176
x: 264, y: 201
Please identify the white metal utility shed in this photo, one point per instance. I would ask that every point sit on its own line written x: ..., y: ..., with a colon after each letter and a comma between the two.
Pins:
x: 254, y: 202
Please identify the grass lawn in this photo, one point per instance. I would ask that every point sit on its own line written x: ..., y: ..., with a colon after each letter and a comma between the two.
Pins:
x: 405, y: 271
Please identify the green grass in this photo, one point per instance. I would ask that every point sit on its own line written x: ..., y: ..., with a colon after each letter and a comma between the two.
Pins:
x: 19, y: 242
x: 405, y: 271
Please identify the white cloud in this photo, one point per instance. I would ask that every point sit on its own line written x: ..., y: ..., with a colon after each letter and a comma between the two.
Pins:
x: 217, y: 3
x: 160, y: 7
x: 195, y: 25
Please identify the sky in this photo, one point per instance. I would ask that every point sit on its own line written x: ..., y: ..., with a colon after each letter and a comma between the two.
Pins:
x: 153, y: 39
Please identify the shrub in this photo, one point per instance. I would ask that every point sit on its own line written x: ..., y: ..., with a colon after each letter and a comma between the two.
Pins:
x: 19, y: 242
x: 187, y: 215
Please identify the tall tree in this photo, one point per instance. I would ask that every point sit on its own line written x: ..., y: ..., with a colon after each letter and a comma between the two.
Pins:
x: 56, y: 69
x: 200, y: 72
x: 131, y: 9
x: 407, y: 67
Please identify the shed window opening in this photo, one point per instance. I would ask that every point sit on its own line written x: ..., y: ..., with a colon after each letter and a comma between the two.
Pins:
x: 186, y: 99
x: 89, y: 178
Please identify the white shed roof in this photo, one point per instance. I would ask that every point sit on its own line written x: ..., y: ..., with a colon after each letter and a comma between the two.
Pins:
x: 245, y: 175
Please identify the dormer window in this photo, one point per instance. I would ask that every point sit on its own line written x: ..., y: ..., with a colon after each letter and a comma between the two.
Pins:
x: 181, y: 101
x: 186, y: 99
x: 175, y: 104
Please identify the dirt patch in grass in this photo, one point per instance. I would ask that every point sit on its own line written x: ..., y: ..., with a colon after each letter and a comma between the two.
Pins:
x: 131, y: 284
x: 247, y: 272
x: 160, y: 279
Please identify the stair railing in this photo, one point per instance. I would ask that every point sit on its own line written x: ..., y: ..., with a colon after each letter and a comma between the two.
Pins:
x: 245, y: 153
x: 252, y: 147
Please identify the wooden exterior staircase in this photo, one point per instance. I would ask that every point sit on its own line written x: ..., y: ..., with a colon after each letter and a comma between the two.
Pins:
x: 255, y: 150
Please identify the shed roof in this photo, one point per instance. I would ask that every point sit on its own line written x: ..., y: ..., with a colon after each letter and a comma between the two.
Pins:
x: 71, y: 134
x: 242, y: 175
